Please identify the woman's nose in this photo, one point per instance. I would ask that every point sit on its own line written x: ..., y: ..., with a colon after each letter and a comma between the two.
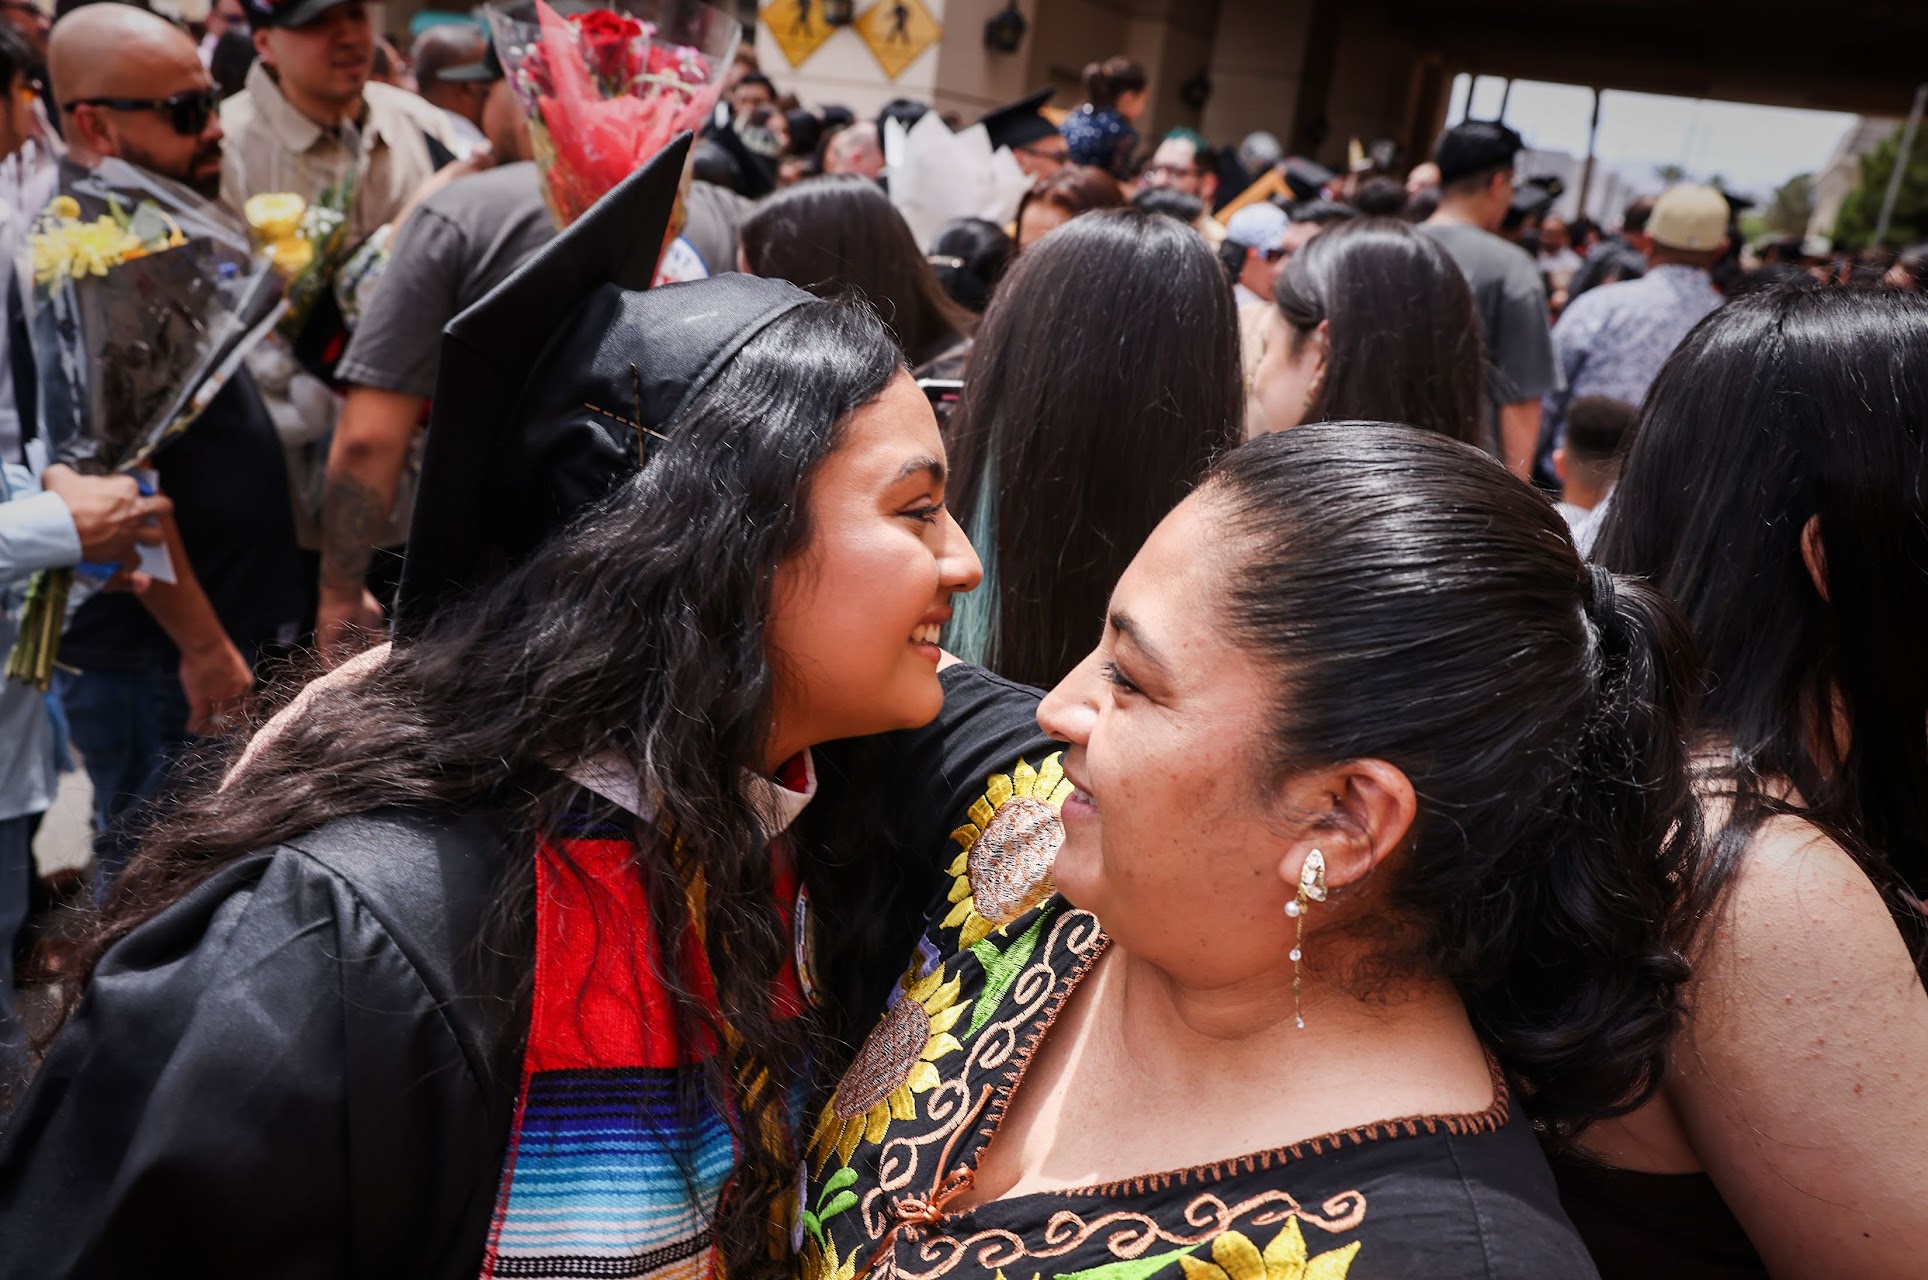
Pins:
x: 1068, y: 711
x: 958, y: 562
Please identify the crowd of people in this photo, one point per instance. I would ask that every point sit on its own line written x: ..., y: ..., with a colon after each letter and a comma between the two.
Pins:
x: 1396, y: 717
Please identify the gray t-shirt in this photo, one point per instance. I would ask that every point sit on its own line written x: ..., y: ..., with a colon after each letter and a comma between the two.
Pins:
x: 458, y: 244
x: 1511, y: 302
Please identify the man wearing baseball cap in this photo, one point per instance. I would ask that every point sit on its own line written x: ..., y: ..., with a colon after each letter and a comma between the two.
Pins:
x: 1254, y: 251
x: 1611, y: 341
x: 308, y: 104
x: 452, y: 76
x: 1475, y: 161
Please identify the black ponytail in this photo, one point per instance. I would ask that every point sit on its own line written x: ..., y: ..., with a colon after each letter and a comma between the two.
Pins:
x: 1423, y: 607
x: 1590, y: 993
x: 1105, y: 82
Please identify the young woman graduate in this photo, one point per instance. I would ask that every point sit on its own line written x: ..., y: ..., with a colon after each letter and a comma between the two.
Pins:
x: 496, y: 958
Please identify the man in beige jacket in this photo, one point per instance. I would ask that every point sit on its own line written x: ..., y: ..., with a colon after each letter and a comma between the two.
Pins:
x: 308, y: 109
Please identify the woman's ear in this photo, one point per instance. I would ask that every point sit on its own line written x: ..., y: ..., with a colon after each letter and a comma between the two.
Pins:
x: 1815, y: 555
x: 1362, y: 812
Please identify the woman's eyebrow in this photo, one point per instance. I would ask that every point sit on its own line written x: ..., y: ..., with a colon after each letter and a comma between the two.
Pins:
x: 1122, y: 623
x: 932, y: 467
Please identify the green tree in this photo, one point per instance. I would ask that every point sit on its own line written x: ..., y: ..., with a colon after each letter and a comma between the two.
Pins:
x: 1788, y: 213
x: 1854, y: 226
x: 1669, y: 174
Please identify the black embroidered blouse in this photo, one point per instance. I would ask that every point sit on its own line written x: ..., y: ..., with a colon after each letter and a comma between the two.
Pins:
x: 1427, y: 1196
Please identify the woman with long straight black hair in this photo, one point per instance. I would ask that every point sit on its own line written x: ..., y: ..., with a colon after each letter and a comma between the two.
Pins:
x: 1103, y: 383
x: 1778, y: 490
x: 840, y: 236
x: 1371, y: 321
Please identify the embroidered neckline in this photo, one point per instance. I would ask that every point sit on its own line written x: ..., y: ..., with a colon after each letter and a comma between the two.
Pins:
x: 1487, y: 1120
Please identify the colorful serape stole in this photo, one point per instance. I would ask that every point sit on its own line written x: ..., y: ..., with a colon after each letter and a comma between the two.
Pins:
x: 619, y: 1153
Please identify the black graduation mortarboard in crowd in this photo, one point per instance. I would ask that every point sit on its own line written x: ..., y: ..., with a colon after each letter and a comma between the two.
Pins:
x: 1306, y: 179
x: 554, y: 385
x: 1018, y: 124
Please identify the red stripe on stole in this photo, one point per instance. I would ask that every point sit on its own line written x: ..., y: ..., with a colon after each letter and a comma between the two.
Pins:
x: 599, y: 1001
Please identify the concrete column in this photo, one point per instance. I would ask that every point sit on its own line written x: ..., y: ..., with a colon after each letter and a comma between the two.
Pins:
x: 1257, y: 66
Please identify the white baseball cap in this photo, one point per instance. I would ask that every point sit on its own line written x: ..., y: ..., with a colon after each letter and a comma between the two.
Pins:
x: 1257, y: 226
x: 1690, y: 216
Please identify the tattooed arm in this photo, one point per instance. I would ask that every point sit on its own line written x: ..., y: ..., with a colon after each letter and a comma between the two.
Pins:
x: 364, y: 471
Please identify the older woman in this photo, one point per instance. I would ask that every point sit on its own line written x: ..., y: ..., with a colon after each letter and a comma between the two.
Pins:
x: 1371, y: 802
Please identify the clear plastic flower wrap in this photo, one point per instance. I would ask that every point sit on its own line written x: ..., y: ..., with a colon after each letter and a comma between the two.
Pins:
x: 145, y: 297
x: 607, y: 88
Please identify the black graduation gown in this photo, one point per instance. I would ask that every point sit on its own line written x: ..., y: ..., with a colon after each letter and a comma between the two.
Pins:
x: 307, y: 1068
x: 308, y: 1048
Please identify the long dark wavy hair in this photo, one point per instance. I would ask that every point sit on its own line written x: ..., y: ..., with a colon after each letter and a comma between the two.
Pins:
x: 1402, y: 335
x: 640, y: 631
x: 1781, y: 408
x: 1103, y: 383
x: 1422, y: 607
x: 840, y: 235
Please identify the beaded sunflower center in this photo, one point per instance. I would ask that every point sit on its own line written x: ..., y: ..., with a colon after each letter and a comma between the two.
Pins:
x: 885, y: 1061
x: 1010, y: 863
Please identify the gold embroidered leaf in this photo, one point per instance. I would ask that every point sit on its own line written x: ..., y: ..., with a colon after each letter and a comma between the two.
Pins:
x: 1287, y: 1249
x: 1334, y: 1265
x: 1238, y: 1256
x: 944, y: 1019
x: 1023, y: 779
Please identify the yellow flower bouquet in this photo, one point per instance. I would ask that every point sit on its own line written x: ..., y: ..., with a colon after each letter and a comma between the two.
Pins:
x: 306, y: 240
x: 145, y: 298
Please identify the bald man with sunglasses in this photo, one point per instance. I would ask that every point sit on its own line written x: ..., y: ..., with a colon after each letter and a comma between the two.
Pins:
x: 136, y: 90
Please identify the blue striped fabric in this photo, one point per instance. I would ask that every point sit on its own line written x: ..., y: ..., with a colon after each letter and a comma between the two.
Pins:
x: 615, y: 1174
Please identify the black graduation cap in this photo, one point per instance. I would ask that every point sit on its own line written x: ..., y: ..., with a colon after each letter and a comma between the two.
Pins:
x: 1306, y: 178
x: 555, y: 385
x: 1018, y: 124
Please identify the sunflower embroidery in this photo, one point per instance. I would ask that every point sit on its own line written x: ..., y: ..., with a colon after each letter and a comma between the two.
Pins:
x: 820, y: 1261
x: 892, y: 1068
x: 1008, y: 845
x: 1234, y: 1257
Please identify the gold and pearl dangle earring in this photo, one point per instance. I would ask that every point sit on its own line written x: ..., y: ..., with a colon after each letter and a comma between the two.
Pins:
x: 1311, y: 889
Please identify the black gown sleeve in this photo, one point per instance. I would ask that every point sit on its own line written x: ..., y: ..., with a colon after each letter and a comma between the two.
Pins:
x: 257, y: 1082
x: 897, y: 866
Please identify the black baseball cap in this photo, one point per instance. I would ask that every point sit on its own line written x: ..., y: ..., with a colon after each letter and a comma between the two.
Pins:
x: 263, y: 14
x: 1473, y: 146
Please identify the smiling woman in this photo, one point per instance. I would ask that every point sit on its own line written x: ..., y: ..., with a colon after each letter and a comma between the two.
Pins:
x: 500, y: 953
x: 1370, y: 811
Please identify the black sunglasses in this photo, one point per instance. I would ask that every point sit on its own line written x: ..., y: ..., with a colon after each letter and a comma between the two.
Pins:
x: 187, y: 112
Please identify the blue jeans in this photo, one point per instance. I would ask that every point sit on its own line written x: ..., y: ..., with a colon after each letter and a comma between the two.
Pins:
x: 16, y: 883
x: 130, y: 727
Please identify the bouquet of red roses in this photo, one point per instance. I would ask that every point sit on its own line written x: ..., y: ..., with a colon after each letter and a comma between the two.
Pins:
x: 607, y: 88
